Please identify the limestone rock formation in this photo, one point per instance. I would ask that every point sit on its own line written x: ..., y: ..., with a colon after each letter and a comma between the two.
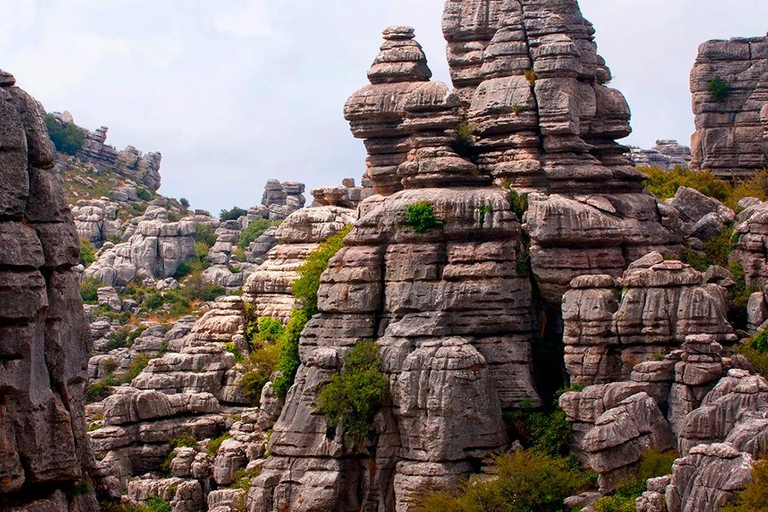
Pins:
x: 612, y: 326
x: 346, y: 196
x: 665, y: 155
x: 97, y: 220
x: 154, y: 249
x: 282, y: 199
x: 268, y: 288
x: 129, y: 163
x: 44, y: 343
x: 731, y: 126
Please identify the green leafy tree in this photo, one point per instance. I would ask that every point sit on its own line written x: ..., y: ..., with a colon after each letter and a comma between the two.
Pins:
x: 352, y: 398
x: 67, y: 139
x: 233, y: 214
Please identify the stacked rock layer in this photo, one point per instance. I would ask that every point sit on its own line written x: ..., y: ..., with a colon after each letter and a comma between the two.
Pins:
x: 731, y: 137
x: 44, y: 342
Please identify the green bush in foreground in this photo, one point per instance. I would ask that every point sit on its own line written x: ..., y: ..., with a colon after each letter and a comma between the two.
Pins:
x: 352, y: 398
x: 87, y: 252
x: 420, y: 217
x: 526, y: 481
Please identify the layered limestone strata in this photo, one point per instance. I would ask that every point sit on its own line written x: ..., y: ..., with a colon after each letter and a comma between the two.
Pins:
x: 613, y: 325
x: 666, y: 155
x: 269, y: 288
x: 730, y: 138
x: 44, y: 341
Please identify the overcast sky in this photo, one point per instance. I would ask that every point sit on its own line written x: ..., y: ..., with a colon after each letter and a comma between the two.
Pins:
x: 236, y: 92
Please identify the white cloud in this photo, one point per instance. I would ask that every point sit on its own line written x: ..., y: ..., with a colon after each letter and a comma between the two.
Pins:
x: 249, y: 19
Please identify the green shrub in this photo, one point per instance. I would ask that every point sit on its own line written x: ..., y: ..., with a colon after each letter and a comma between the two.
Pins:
x: 719, y: 88
x: 184, y: 202
x: 270, y: 330
x: 466, y: 134
x: 755, y: 496
x: 547, y: 432
x: 204, y: 234
x: 89, y: 290
x: 182, y: 271
x: 255, y: 229
x: 184, y: 440
x: 233, y: 214
x: 215, y: 444
x: 484, y: 210
x: 288, y: 351
x: 306, y: 286
x: 259, y: 367
x: 517, y: 201
x: 530, y: 75
x: 196, y: 288
x: 664, y: 184
x: 526, y: 481
x: 352, y: 398
x: 98, y: 391
x: 756, y: 186
x: 756, y: 352
x: 136, y: 367
x: 153, y: 302
x: 115, y: 239
x: 80, y: 488
x: 67, y: 139
x: 421, y: 217
x: 243, y: 478
x: 143, y: 194
x: 153, y: 504
x: 653, y: 463
x: 118, y: 339
x: 87, y: 252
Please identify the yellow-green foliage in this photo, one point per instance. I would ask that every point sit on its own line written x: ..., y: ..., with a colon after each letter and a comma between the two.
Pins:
x: 756, y: 351
x: 255, y: 229
x: 87, y: 252
x: 466, y: 134
x: 653, y: 463
x: 352, y: 398
x: 526, y: 481
x: 755, y: 497
x: 215, y: 444
x: 664, y: 184
x: 89, y: 288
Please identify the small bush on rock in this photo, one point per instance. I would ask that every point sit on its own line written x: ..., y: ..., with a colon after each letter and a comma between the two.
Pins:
x: 87, y: 253
x: 255, y: 229
x: 719, y: 88
x: 664, y: 184
x: 143, y: 194
x: 525, y: 481
x: 204, y: 234
x: 89, y: 290
x: 215, y: 444
x: 233, y: 214
x: 67, y: 139
x: 352, y: 398
x: 288, y: 351
x: 421, y: 217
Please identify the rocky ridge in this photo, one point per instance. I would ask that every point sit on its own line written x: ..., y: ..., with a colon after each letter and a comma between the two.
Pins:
x: 666, y: 155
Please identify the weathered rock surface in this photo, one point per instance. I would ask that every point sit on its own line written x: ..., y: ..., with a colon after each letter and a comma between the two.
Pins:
x: 666, y: 155
x: 268, y: 289
x: 347, y: 195
x: 282, y: 199
x: 44, y: 340
x: 613, y: 325
x: 97, y: 220
x: 154, y: 249
x: 730, y: 131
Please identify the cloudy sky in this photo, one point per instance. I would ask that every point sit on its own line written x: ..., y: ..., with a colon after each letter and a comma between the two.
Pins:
x: 236, y: 92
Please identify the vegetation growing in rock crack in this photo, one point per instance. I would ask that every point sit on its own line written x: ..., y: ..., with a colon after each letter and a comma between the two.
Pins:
x: 719, y: 88
x: 653, y: 463
x: 87, y: 252
x: 421, y: 217
x: 215, y: 444
x: 530, y: 75
x: 484, y: 210
x: 756, y: 351
x: 466, y: 134
x: 255, y: 229
x: 263, y: 360
x: 523, y: 481
x: 352, y: 398
x: 67, y: 139
x: 305, y: 292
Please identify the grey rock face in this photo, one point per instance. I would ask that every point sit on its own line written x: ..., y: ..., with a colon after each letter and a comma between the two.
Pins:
x: 44, y: 340
x: 611, y: 326
x: 282, y: 199
x: 347, y: 195
x: 730, y: 132
x: 154, y: 247
x: 96, y: 220
x: 665, y: 155
x: 269, y: 288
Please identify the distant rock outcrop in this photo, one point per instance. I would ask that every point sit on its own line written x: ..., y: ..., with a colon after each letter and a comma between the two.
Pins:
x: 129, y: 163
x: 665, y: 155
x: 730, y: 102
x: 44, y: 342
